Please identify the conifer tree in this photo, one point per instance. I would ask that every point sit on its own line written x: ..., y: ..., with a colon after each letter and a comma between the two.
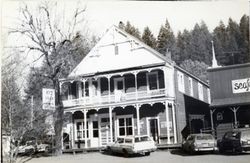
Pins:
x: 148, y: 38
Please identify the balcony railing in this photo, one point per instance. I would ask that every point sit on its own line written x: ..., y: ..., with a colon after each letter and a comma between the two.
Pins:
x: 114, y: 98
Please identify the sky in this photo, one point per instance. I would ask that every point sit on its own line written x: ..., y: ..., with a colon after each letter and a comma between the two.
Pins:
x: 101, y: 15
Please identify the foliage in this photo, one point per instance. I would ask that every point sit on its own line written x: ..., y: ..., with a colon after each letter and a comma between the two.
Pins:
x: 60, y: 45
x: 148, y: 38
x: 166, y: 39
x: 196, y: 68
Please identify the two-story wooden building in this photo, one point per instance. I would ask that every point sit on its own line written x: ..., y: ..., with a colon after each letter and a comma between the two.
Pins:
x: 123, y: 87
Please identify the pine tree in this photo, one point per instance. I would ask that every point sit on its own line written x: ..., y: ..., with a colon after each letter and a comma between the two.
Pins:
x: 148, y: 38
x: 166, y: 40
x: 132, y: 30
x: 244, y: 55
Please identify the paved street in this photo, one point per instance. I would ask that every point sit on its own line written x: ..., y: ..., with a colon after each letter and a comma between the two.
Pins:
x: 162, y: 156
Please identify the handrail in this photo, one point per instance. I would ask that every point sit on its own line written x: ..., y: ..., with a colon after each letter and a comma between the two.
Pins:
x: 122, y: 97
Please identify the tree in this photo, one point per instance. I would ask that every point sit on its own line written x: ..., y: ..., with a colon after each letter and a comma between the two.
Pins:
x: 183, y: 50
x: 131, y: 30
x: 244, y: 55
x: 196, y: 68
x: 166, y: 39
x: 52, y: 39
x: 148, y: 38
x: 200, y: 44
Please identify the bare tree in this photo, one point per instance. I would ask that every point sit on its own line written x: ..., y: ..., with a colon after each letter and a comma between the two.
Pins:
x: 48, y: 34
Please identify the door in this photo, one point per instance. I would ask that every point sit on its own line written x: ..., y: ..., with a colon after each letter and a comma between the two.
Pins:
x: 119, y: 86
x: 153, y: 129
x: 105, y: 130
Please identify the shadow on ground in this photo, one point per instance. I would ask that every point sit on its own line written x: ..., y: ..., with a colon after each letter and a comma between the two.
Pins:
x: 121, y: 155
x: 180, y: 152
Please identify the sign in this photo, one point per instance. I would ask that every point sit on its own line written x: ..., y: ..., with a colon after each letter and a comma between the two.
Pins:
x: 241, y: 85
x: 48, y: 99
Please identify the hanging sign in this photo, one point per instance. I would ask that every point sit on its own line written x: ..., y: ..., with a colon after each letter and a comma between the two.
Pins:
x: 241, y: 85
x: 48, y: 99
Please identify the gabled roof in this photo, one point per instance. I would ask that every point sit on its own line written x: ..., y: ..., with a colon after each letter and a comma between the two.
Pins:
x: 117, y: 50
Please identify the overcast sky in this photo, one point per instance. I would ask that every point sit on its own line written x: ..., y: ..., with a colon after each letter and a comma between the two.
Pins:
x: 181, y: 15
x: 103, y: 14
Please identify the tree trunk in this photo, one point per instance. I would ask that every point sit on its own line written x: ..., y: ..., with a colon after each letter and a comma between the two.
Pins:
x: 58, y: 119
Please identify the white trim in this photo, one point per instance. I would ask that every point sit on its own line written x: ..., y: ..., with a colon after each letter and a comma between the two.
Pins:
x: 158, y: 125
x: 123, y: 117
x: 190, y: 86
x: 157, y: 78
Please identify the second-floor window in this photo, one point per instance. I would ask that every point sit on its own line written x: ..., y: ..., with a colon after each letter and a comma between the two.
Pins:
x: 200, y: 91
x: 190, y: 86
x: 153, y: 82
x: 180, y: 79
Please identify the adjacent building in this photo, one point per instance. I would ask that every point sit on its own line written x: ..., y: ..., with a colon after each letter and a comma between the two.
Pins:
x: 230, y: 97
x: 124, y: 88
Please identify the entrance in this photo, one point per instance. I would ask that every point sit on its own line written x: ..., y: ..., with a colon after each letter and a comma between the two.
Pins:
x: 105, y: 130
x: 119, y: 88
x: 153, y: 128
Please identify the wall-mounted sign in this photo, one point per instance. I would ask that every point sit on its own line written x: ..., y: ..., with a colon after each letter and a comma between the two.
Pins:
x: 241, y: 85
x: 48, y: 99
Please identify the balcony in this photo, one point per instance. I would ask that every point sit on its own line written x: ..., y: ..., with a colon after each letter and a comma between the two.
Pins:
x: 116, y: 97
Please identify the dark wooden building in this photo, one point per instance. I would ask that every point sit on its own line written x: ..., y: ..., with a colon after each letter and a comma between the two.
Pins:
x: 230, y: 97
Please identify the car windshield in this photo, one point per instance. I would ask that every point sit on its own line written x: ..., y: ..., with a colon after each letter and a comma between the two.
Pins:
x: 245, y: 134
x: 204, y: 137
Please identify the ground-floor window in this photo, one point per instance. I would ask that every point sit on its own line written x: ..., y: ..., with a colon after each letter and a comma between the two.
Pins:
x: 80, y: 132
x: 125, y: 126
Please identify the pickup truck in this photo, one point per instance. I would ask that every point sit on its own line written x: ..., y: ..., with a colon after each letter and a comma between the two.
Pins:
x: 132, y: 145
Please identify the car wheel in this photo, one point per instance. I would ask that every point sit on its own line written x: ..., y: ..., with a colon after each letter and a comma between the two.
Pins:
x: 125, y: 153
x: 147, y: 153
x: 109, y: 151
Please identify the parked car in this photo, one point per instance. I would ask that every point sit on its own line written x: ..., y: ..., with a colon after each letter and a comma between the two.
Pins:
x: 199, y: 142
x: 32, y: 146
x: 132, y: 145
x: 28, y: 148
x: 235, y: 141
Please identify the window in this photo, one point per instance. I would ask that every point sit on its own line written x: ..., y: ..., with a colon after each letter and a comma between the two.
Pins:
x: 125, y: 126
x: 80, y: 132
x: 116, y: 50
x: 208, y: 96
x: 153, y: 80
x: 200, y: 91
x: 180, y: 78
x: 95, y: 129
x: 190, y: 86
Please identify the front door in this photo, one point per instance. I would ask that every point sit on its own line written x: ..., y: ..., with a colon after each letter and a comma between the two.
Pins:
x: 105, y: 130
x: 153, y: 129
x: 119, y: 88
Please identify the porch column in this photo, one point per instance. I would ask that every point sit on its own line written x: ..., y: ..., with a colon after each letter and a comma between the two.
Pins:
x: 85, y: 127
x: 234, y: 109
x: 109, y: 86
x: 136, y: 91
x: 167, y: 121
x: 83, y: 91
x: 90, y: 89
x: 111, y: 124
x: 212, y: 121
x: 72, y: 131
x: 99, y: 89
x: 138, y: 119
x: 174, y: 123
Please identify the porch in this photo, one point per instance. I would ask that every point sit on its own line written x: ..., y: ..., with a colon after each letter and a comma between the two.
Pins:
x: 116, y: 87
x: 95, y: 128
